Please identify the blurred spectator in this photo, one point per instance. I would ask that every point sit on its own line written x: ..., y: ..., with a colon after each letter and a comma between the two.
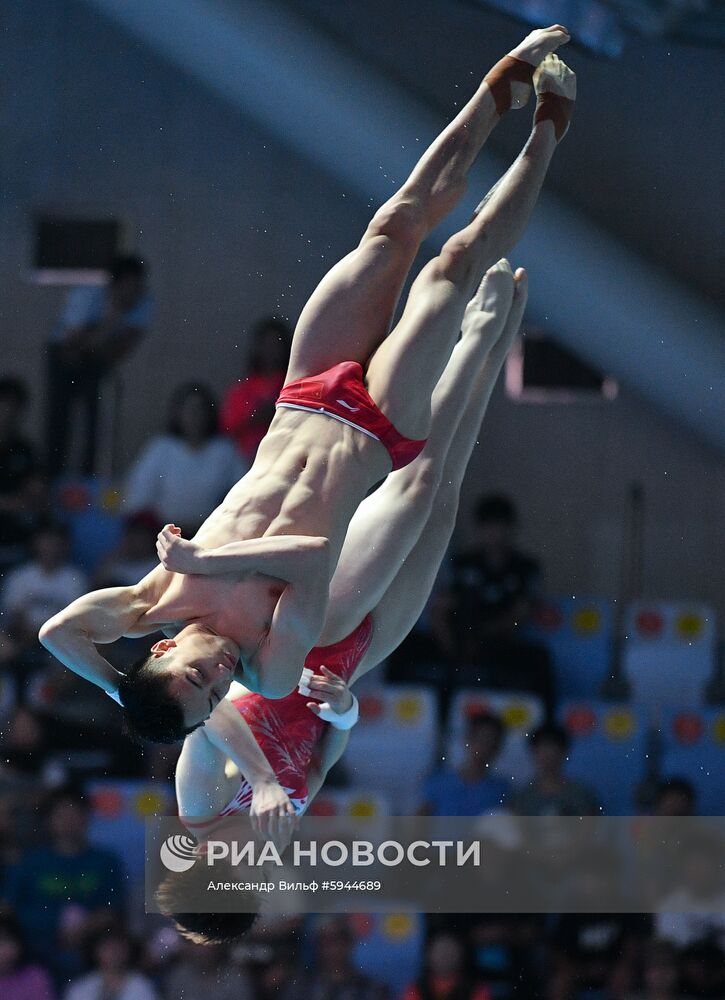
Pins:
x: 694, y: 911
x: 550, y: 792
x: 62, y: 892
x: 203, y: 970
x: 472, y: 789
x: 507, y: 952
x: 278, y: 977
x: 660, y: 973
x: 22, y: 488
x: 134, y: 556
x: 26, y: 746
x: 446, y: 975
x: 114, y: 975
x: 332, y: 975
x: 478, y: 619
x: 180, y: 476
x: 589, y: 947
x: 36, y: 591
x: 97, y: 329
x: 674, y: 797
x: 20, y: 979
x: 248, y: 406
x: 703, y: 971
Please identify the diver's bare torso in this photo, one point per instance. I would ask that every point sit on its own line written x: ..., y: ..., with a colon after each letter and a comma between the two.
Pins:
x: 310, y: 474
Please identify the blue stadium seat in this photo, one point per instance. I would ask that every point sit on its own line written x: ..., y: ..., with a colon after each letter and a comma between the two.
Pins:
x: 693, y: 747
x: 608, y: 747
x: 119, y: 809
x: 393, y: 747
x: 89, y: 507
x: 669, y: 652
x: 578, y: 633
x: 388, y: 946
x: 349, y: 802
x: 521, y: 714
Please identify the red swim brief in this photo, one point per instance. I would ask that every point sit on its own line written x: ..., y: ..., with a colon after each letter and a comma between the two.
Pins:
x: 340, y: 393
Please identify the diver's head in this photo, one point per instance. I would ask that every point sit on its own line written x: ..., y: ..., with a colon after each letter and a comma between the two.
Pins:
x: 178, y: 889
x: 173, y: 690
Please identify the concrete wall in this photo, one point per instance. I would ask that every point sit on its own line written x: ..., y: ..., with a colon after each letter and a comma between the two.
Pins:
x: 234, y: 227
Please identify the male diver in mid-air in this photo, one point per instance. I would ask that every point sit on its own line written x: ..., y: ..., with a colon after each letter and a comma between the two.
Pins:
x: 248, y: 596
x: 268, y: 757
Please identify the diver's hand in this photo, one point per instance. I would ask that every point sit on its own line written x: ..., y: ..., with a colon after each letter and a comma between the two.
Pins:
x: 329, y: 690
x: 177, y: 554
x: 272, y: 814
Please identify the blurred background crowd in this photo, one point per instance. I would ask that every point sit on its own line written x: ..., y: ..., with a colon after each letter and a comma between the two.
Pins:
x: 569, y: 660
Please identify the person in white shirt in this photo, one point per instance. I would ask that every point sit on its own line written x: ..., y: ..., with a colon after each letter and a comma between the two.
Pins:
x: 98, y: 327
x: 183, y: 474
x: 114, y: 975
x: 42, y: 586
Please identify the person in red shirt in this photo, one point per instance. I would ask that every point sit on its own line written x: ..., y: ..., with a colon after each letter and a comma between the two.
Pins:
x: 446, y: 976
x: 248, y: 406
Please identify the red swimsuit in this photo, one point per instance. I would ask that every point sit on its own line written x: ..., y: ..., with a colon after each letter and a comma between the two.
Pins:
x: 286, y: 730
x: 340, y: 393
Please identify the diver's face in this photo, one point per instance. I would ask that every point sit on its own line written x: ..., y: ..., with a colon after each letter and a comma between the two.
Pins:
x: 200, y: 665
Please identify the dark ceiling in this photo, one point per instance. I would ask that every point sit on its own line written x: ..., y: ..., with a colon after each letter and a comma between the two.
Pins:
x: 644, y: 158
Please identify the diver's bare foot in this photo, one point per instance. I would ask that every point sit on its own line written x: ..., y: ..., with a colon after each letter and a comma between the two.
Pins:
x: 486, y: 313
x: 513, y: 320
x: 555, y: 86
x: 510, y: 79
x: 538, y: 44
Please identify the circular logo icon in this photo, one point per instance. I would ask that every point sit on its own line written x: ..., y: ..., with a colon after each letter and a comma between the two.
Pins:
x: 687, y: 728
x: 398, y: 926
x: 690, y: 626
x: 618, y: 725
x: 516, y: 715
x: 177, y: 853
x: 587, y: 621
x: 650, y: 624
x: 580, y: 720
x: 408, y: 709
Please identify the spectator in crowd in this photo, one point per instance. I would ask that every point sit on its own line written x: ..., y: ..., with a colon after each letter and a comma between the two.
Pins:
x: 479, y: 616
x: 134, y: 556
x: 42, y: 587
x: 332, y: 975
x: 201, y: 972
x: 114, y: 975
x: 550, y: 792
x: 447, y: 974
x: 278, y: 978
x: 248, y: 406
x: 589, y: 948
x: 703, y: 971
x: 694, y: 911
x: 674, y: 797
x: 25, y: 748
x: 180, y: 476
x: 98, y: 327
x: 660, y: 973
x: 65, y: 890
x: 22, y: 487
x: 506, y: 950
x: 472, y: 789
x: 20, y: 978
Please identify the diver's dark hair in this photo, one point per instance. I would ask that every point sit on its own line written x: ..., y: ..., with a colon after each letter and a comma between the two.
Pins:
x: 179, y: 396
x: 149, y: 713
x: 201, y: 928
